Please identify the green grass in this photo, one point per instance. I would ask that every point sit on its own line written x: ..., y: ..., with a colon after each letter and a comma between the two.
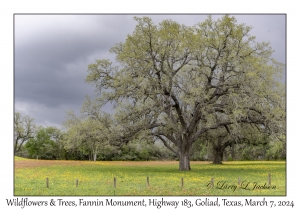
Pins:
x: 96, y: 178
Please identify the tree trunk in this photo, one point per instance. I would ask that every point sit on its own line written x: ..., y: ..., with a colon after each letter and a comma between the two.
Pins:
x: 232, y: 152
x: 15, y: 148
x: 94, y: 153
x: 218, y: 154
x: 184, y: 157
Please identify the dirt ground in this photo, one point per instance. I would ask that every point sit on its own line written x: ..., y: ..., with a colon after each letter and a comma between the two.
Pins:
x: 38, y: 163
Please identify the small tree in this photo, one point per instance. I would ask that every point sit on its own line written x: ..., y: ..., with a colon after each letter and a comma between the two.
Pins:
x: 24, y: 129
x: 87, y: 132
x: 56, y: 149
x: 37, y: 146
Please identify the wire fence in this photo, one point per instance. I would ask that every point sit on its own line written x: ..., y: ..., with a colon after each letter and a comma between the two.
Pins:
x: 182, y: 182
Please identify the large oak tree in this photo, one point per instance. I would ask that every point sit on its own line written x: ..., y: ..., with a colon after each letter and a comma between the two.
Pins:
x: 177, y: 82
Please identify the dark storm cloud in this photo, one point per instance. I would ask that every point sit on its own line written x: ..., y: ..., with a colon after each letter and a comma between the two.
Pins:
x: 51, y: 58
x: 52, y: 53
x: 54, y: 59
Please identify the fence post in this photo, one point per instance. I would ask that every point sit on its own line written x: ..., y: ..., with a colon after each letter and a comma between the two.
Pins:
x: 182, y: 182
x: 239, y: 181
x: 76, y: 182
x: 115, y: 182
x: 269, y: 176
x: 47, y: 182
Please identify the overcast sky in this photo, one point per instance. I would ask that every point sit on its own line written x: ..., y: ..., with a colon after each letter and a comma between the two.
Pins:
x: 52, y: 53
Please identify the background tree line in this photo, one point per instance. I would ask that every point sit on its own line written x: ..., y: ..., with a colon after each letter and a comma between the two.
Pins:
x: 38, y: 142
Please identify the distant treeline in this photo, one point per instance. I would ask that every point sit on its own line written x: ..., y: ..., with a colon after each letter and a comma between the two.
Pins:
x: 141, y: 151
x: 32, y: 141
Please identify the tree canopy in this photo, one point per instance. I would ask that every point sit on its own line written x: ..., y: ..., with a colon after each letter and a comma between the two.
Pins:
x: 177, y: 82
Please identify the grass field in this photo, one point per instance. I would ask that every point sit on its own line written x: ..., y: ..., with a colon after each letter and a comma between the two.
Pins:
x: 97, y: 178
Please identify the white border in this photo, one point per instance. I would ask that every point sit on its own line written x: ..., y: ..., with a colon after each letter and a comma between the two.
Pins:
x: 8, y: 8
